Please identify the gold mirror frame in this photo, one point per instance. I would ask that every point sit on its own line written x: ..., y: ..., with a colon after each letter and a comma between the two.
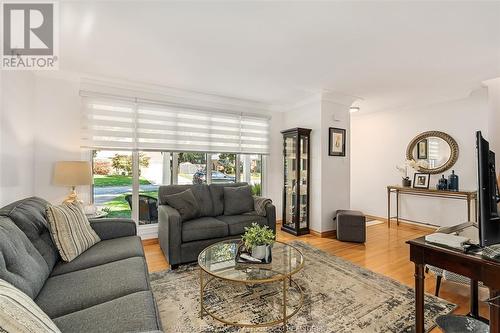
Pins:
x: 447, y: 138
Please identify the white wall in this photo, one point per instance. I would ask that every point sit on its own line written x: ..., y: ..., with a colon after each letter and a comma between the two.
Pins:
x: 57, y: 133
x: 329, y: 184
x: 274, y: 165
x: 335, y: 170
x: 379, y: 142
x: 16, y: 136
x: 308, y: 115
x: 494, y: 118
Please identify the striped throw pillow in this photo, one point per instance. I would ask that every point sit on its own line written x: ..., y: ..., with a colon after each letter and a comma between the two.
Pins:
x: 18, y: 313
x: 70, y: 230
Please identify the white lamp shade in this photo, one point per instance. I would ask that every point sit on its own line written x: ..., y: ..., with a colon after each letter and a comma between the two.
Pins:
x: 72, y: 173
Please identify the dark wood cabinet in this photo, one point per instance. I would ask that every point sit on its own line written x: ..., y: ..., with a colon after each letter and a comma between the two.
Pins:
x: 296, y: 163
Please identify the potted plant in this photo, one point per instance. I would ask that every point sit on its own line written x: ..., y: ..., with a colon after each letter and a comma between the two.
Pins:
x: 416, y: 165
x: 257, y: 240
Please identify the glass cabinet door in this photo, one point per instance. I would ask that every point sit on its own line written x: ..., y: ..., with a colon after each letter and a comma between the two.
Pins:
x: 290, y: 167
x: 304, y: 157
x: 296, y: 142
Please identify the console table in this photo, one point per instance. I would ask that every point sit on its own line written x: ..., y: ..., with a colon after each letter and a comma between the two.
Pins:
x: 468, y: 196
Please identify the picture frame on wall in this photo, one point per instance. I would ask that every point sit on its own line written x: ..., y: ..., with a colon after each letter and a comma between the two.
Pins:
x: 421, y: 180
x: 336, y: 141
x: 422, y: 149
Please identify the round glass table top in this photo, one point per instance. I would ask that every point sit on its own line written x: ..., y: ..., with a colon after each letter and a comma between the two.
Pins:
x: 219, y: 260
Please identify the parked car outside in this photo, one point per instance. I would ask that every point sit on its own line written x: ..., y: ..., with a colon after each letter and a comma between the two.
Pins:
x: 200, y: 177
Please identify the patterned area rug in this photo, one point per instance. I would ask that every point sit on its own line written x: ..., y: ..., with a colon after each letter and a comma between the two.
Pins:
x: 338, y: 297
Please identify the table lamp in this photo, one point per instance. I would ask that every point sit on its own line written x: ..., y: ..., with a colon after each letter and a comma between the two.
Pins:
x: 72, y: 173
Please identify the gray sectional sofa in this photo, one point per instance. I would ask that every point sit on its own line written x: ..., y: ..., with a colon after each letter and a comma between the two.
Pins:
x: 182, y: 242
x: 105, y: 289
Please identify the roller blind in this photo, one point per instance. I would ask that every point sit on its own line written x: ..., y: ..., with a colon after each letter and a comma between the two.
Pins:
x: 116, y: 124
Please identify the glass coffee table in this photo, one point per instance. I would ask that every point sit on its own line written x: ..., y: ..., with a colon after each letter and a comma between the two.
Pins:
x: 277, y: 297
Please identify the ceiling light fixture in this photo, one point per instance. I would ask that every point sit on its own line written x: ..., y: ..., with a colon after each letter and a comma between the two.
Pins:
x: 353, y: 109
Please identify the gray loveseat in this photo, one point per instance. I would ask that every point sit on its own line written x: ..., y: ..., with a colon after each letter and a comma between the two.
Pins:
x: 182, y: 242
x: 105, y: 289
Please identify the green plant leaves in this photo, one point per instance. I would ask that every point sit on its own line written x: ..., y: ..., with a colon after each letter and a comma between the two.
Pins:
x: 257, y: 235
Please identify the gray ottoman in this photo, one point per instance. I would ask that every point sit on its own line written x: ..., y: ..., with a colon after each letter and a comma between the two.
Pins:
x: 351, y: 226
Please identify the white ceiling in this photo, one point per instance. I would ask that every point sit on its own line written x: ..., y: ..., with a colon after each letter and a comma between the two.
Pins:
x: 388, y: 53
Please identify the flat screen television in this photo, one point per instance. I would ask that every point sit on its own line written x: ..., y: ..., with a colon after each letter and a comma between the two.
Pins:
x: 488, y: 194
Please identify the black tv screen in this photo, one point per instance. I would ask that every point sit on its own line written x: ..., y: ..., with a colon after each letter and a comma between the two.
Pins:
x: 488, y: 194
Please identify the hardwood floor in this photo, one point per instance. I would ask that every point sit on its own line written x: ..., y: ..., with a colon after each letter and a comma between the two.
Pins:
x: 384, y: 252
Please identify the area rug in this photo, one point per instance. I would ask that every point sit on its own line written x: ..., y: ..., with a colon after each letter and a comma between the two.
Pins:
x: 338, y: 297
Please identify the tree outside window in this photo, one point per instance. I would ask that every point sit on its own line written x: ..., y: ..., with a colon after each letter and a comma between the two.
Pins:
x: 113, y: 176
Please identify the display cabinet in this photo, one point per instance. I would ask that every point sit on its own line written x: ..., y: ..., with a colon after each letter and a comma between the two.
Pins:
x: 296, y: 148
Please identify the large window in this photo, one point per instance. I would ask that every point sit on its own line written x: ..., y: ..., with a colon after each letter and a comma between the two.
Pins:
x: 151, y: 176
x: 140, y: 144
x: 140, y: 125
x: 113, y: 182
x: 250, y: 167
x: 117, y: 173
x: 190, y: 168
x: 223, y: 168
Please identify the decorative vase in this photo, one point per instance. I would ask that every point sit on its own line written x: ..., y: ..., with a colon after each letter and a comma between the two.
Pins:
x: 259, y: 251
x: 406, y: 182
x: 453, y: 181
x: 442, y: 184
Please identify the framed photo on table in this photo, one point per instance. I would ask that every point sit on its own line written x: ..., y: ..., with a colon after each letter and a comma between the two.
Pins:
x: 336, y: 141
x: 421, y: 180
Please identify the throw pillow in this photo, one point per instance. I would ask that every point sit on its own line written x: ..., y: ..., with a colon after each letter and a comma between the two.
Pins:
x: 70, y: 229
x: 237, y: 200
x: 19, y: 313
x: 185, y: 203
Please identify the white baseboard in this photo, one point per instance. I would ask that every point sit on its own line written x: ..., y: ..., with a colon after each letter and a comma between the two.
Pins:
x: 148, y: 231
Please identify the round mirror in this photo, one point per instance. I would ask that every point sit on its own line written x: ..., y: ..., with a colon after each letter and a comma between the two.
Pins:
x: 436, y: 150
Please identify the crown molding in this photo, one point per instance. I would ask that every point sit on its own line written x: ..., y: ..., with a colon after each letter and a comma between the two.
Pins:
x: 90, y: 82
x: 187, y: 97
x: 339, y: 98
x: 491, y: 82
x: 422, y: 100
x: 155, y: 91
x: 313, y: 99
x: 318, y: 97
x: 235, y: 104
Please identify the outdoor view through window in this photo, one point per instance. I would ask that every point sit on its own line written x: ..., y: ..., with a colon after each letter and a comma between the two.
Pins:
x: 113, y: 177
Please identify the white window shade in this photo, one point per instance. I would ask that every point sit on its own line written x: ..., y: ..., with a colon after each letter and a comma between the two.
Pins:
x: 115, y: 124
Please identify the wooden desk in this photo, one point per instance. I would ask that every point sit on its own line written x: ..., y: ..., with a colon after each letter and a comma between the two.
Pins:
x: 469, y: 196
x: 473, y: 266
